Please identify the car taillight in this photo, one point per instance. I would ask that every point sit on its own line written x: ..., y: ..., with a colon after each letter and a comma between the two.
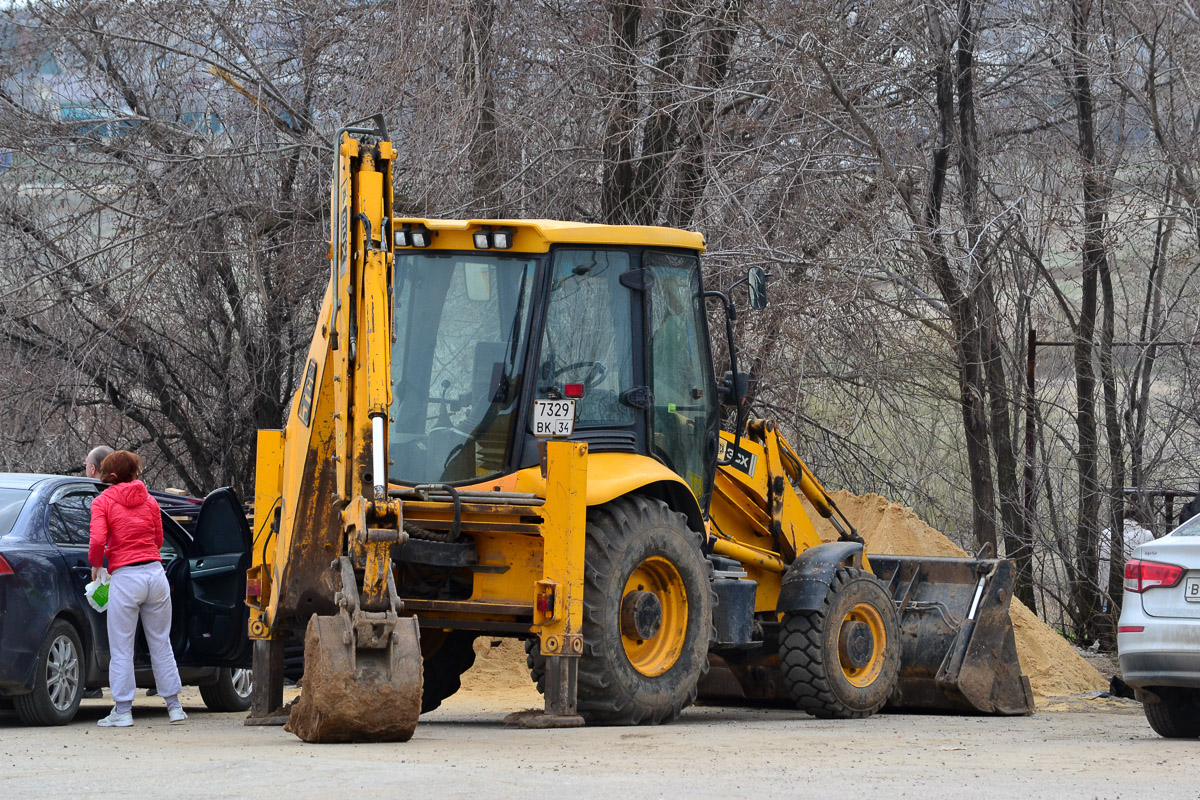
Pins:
x: 1142, y: 575
x: 5, y: 569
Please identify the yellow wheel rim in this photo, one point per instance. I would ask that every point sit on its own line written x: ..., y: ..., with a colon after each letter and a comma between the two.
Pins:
x: 658, y: 653
x: 863, y: 674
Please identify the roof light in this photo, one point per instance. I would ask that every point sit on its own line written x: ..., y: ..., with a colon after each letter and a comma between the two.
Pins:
x: 573, y: 390
x: 502, y: 239
x: 412, y: 235
x: 5, y: 569
x: 483, y: 240
x: 1142, y: 575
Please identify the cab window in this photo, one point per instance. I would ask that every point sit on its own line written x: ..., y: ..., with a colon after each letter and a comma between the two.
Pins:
x: 587, y: 340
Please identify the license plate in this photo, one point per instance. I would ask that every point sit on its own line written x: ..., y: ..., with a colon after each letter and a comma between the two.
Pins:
x: 553, y: 417
x: 1191, y: 590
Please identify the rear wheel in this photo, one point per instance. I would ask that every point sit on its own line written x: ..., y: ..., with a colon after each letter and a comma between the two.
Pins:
x: 445, y: 663
x: 647, y: 615
x: 843, y: 660
x: 1176, y: 715
x: 231, y: 692
x: 58, y: 682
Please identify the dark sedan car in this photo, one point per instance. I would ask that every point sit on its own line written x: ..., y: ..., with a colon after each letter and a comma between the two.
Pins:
x: 53, y: 645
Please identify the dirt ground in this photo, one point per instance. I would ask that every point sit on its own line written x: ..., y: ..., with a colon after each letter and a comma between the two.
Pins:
x: 1075, y: 746
x: 1087, y: 748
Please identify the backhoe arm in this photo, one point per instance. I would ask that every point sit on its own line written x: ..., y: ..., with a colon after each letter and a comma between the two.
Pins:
x: 324, y: 523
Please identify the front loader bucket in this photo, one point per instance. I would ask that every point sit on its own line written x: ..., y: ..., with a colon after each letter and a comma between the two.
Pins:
x: 353, y: 693
x: 957, y: 648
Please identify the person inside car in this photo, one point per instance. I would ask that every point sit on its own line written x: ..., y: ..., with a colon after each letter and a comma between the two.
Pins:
x: 126, y: 528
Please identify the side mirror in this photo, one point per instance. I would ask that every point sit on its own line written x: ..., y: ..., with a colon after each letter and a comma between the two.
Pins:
x: 757, y: 278
x: 733, y: 388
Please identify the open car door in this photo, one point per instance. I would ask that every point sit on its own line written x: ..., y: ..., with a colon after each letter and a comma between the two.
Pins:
x: 217, y: 563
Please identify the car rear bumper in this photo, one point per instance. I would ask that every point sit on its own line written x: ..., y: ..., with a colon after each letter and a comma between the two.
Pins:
x: 1161, y: 669
x: 18, y: 652
x: 1166, y: 652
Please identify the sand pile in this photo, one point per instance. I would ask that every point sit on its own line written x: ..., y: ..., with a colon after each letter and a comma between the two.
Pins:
x: 499, y: 667
x: 1053, y: 666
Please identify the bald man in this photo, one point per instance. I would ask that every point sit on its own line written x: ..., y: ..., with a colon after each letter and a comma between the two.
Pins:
x: 91, y: 464
x: 91, y: 469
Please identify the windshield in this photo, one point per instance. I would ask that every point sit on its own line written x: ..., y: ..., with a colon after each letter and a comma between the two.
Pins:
x: 461, y: 322
x: 11, y: 502
x: 588, y: 340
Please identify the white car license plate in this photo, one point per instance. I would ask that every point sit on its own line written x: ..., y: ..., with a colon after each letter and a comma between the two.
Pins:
x: 553, y: 417
x: 1191, y: 590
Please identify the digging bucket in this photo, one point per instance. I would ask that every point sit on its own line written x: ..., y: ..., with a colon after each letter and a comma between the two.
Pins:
x: 362, y: 679
x: 957, y: 648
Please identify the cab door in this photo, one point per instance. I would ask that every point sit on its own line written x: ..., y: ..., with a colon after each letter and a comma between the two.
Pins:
x: 684, y: 418
x: 216, y: 565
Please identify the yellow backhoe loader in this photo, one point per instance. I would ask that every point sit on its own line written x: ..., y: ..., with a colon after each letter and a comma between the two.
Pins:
x: 511, y: 428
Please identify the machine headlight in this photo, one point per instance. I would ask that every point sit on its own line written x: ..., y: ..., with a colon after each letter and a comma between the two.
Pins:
x: 483, y: 240
x: 420, y: 237
x: 502, y: 239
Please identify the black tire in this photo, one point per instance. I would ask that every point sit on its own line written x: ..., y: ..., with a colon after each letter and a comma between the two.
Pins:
x: 1176, y: 715
x: 444, y: 668
x: 843, y: 674
x: 231, y: 692
x: 630, y: 536
x: 58, y: 682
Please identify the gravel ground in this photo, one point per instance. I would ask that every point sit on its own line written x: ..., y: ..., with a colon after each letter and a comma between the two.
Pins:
x: 1081, y: 748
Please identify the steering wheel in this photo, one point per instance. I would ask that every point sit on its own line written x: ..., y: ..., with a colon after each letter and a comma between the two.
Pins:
x: 596, y: 372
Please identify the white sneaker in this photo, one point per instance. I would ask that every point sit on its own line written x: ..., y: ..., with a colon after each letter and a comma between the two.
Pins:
x: 115, y: 720
x: 176, y: 714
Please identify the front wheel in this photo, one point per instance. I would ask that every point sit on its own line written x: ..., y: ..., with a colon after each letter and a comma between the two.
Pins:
x: 445, y: 659
x: 1176, y: 715
x: 58, y: 682
x: 843, y: 661
x: 647, y: 615
x: 231, y: 692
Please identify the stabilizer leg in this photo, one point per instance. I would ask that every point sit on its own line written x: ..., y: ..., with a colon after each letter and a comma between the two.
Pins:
x: 266, y: 694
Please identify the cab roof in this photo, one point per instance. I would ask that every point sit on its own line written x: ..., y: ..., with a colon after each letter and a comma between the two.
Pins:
x: 537, y: 235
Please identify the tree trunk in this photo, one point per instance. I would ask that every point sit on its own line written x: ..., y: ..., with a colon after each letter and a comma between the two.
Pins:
x: 1085, y: 598
x: 479, y: 87
x: 619, y: 136
x: 712, y: 73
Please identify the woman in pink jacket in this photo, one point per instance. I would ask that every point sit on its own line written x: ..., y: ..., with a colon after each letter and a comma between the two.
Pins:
x: 127, y: 530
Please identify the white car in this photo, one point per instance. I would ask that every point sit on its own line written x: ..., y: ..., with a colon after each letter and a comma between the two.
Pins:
x: 1158, y: 637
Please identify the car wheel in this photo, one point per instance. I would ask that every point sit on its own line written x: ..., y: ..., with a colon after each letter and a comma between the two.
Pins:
x: 58, y: 681
x: 231, y: 692
x: 1176, y: 715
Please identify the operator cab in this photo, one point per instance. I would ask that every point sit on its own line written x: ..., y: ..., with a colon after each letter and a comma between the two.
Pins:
x: 617, y: 324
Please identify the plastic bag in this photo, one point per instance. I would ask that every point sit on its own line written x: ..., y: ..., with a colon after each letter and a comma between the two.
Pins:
x: 96, y: 591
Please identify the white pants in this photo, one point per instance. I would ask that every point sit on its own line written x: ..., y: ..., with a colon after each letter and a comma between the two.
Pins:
x: 135, y: 591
